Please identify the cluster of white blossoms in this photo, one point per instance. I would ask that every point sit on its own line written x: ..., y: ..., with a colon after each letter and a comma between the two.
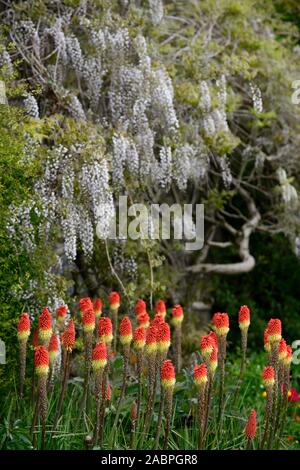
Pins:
x: 31, y: 106
x: 256, y: 97
x: 288, y: 191
x: 214, y: 118
x: 134, y: 110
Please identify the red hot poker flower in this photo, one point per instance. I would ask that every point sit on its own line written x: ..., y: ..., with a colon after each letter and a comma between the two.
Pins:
x: 143, y: 320
x: 268, y: 376
x: 220, y: 322
x: 167, y: 374
x: 45, y: 325
x: 274, y: 330
x: 244, y: 317
x: 53, y: 349
x: 206, y: 345
x: 85, y: 304
x: 157, y: 320
x: 250, y: 429
x: 61, y: 312
x: 99, y: 358
x: 23, y: 327
x: 105, y: 330
x: 140, y: 307
x: 151, y: 340
x: 68, y: 337
x: 88, y: 320
x: 213, y: 336
x: 160, y: 308
x: 139, y: 338
x: 125, y: 331
x: 177, y: 312
x: 41, y: 361
x: 97, y: 305
x: 200, y: 375
x: 164, y: 337
x: 114, y: 300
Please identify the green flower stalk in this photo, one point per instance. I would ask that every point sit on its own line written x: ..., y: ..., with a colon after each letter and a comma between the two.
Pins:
x: 244, y: 323
x: 167, y: 379
x: 125, y: 339
x: 200, y: 380
x: 23, y: 334
x: 177, y: 319
x: 269, y: 382
x: 88, y: 323
x: 150, y: 355
x: 139, y: 342
x: 163, y: 344
x: 99, y: 362
x: 67, y: 340
x: 114, y: 300
x: 220, y: 322
x: 41, y: 363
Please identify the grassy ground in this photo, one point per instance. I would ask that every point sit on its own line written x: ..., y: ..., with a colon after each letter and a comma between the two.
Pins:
x: 70, y: 434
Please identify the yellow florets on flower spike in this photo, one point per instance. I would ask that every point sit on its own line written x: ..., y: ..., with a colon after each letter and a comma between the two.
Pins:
x: 200, y: 375
x: 125, y: 331
x: 99, y: 358
x: 220, y: 322
x: 41, y: 361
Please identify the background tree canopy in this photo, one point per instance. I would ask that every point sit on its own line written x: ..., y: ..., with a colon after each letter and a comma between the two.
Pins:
x: 185, y: 101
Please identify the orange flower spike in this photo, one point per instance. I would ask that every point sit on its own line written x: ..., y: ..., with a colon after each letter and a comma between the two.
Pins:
x: 99, y: 358
x: 151, y: 340
x: 88, y: 320
x: 105, y: 330
x: 61, y: 313
x: 68, y: 337
x: 206, y: 345
x: 244, y: 317
x: 200, y: 375
x: 125, y: 331
x: 114, y: 300
x: 164, y: 338
x: 177, y: 312
x: 97, y: 306
x: 157, y: 320
x: 213, y: 336
x: 139, y: 338
x: 41, y: 361
x: 23, y: 330
x: 220, y: 322
x: 268, y: 376
x: 167, y: 375
x: 274, y: 330
x: 85, y: 304
x: 160, y: 308
x: 143, y: 320
x: 140, y: 307
x: 53, y: 349
x: 250, y: 429
x: 45, y: 325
